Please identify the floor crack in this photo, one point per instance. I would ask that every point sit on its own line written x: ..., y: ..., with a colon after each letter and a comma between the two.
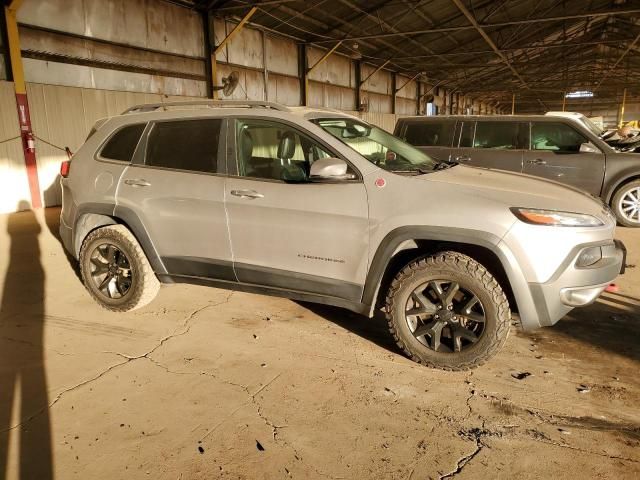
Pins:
x: 475, y: 434
x: 186, y: 326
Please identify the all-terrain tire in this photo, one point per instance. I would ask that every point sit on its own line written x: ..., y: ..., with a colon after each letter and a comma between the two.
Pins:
x: 144, y: 285
x: 455, y: 267
x: 632, y: 187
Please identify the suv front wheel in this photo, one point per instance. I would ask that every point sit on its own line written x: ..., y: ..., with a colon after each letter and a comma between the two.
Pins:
x: 115, y: 269
x: 447, y: 311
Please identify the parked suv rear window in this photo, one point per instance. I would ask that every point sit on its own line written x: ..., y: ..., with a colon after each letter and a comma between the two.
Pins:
x: 123, y: 144
x: 429, y: 134
x: 185, y: 145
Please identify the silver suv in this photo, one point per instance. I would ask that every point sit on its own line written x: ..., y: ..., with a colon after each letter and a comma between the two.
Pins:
x: 320, y: 206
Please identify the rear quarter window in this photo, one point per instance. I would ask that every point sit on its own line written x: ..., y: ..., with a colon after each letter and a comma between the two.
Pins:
x: 429, y: 134
x: 123, y: 143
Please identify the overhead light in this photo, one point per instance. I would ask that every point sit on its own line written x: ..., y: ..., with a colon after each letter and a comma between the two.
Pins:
x: 580, y: 94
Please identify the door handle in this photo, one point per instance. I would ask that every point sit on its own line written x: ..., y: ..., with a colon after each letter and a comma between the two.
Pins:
x: 537, y: 161
x: 462, y: 158
x: 137, y: 182
x: 246, y: 194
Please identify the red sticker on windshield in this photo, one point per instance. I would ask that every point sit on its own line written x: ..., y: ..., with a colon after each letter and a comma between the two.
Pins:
x: 380, y: 182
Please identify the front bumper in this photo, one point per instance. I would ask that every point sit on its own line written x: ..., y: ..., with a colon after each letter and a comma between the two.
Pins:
x: 572, y: 286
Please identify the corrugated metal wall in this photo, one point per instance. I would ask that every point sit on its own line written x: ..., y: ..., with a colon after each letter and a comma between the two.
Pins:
x: 86, y: 59
x: 61, y: 117
x: 165, y: 37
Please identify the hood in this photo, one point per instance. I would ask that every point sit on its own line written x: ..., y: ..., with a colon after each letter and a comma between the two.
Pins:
x: 518, y: 190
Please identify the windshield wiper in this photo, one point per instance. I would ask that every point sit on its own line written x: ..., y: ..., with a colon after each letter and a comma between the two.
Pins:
x: 445, y: 165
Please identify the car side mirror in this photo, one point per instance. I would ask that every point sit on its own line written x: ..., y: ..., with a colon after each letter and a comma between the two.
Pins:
x: 329, y: 169
x: 588, y: 147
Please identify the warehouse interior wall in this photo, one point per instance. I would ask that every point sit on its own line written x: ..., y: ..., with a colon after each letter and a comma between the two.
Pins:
x: 80, y: 68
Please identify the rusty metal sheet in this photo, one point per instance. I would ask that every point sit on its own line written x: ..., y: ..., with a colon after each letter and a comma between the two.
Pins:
x: 14, y: 185
x: 386, y: 121
x: 380, y: 82
x: 331, y: 96
x: 246, y: 47
x: 410, y: 90
x: 282, y: 55
x: 285, y: 90
x: 144, y: 23
x: 406, y: 106
x: 47, y: 42
x: 3, y: 68
x: 38, y: 71
x: 378, y: 103
x: 336, y: 69
x: 250, y: 86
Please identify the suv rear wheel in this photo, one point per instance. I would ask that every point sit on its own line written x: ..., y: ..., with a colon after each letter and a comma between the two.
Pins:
x: 116, y: 271
x: 626, y: 204
x: 447, y: 311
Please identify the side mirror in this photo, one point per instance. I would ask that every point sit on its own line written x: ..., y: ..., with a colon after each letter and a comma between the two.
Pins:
x: 588, y: 148
x: 329, y: 169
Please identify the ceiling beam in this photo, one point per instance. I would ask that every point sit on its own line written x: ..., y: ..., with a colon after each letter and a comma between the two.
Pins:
x: 615, y: 65
x: 487, y: 39
x: 485, y: 25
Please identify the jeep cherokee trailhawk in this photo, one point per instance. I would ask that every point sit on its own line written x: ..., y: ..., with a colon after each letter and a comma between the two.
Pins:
x: 320, y: 206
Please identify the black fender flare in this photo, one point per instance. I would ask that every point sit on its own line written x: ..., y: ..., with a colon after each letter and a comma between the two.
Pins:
x: 94, y: 215
x: 393, y: 243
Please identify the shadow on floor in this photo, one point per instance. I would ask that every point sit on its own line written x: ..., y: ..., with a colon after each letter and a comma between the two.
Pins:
x: 612, y: 323
x: 52, y: 219
x: 23, y: 383
x: 373, y: 329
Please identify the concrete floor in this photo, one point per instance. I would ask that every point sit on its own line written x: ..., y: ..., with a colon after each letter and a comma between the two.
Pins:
x: 206, y: 383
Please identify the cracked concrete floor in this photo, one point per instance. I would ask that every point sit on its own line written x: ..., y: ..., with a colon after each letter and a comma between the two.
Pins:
x: 206, y: 383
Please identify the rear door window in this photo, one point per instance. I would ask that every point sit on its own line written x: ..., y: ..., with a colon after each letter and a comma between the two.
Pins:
x: 123, y: 143
x: 497, y: 135
x: 429, y: 134
x: 185, y: 145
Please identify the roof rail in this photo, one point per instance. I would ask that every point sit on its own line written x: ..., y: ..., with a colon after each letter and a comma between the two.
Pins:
x: 150, y: 107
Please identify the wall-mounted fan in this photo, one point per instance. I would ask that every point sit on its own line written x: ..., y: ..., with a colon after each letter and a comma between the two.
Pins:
x: 229, y: 83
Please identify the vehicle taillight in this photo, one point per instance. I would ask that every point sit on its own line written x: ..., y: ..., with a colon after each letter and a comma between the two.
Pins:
x: 64, y: 168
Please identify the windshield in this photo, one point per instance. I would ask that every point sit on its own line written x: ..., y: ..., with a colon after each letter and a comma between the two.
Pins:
x: 377, y: 146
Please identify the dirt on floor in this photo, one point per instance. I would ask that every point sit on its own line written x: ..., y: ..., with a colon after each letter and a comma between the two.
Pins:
x: 206, y: 383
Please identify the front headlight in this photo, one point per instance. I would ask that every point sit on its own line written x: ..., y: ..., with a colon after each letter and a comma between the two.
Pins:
x: 555, y: 218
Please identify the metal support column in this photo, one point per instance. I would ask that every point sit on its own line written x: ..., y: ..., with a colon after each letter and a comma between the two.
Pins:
x: 358, y: 82
x: 624, y: 100
x: 227, y: 39
x: 207, y: 29
x: 264, y: 66
x: 24, y: 119
x: 564, y: 100
x: 394, y: 91
x: 513, y: 104
x: 302, y: 69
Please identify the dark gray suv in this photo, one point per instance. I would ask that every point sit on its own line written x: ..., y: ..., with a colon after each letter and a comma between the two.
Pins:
x: 556, y: 147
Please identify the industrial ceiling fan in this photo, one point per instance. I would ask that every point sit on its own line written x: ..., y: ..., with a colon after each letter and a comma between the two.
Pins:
x: 229, y: 83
